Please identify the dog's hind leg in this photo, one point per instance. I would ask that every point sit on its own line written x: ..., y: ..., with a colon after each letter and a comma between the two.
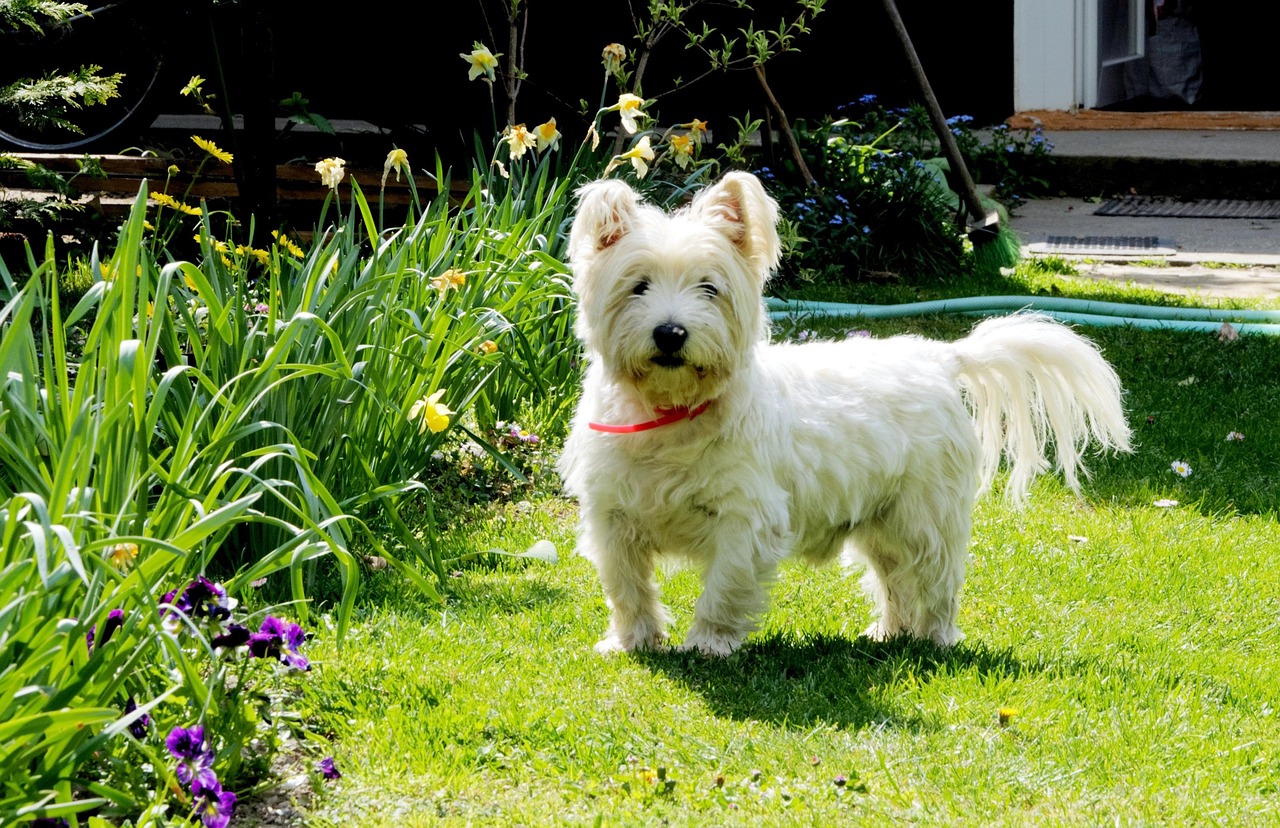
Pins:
x: 914, y: 574
x: 625, y: 561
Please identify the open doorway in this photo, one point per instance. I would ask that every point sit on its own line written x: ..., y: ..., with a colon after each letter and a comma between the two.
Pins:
x: 1199, y: 55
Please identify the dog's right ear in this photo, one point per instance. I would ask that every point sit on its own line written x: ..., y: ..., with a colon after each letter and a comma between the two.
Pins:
x: 606, y: 213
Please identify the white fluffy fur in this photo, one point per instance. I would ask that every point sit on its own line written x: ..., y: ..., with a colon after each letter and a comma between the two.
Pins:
x: 871, y: 448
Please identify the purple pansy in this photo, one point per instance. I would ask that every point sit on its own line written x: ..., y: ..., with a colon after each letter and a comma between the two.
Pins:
x: 279, y: 640
x: 115, y: 620
x: 195, y: 761
x: 237, y: 635
x: 328, y: 769
x: 138, y: 727
x: 215, y: 805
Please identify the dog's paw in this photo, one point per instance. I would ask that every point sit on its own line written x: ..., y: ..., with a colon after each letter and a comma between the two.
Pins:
x: 711, y: 641
x: 615, y: 643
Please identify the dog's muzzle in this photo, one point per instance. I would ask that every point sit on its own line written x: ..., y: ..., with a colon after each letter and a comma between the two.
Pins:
x: 669, y: 338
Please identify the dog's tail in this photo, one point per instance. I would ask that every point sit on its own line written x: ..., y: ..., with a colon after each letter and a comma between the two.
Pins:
x: 1029, y: 380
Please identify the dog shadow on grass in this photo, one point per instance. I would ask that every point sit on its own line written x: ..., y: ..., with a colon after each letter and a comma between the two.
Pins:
x: 827, y: 679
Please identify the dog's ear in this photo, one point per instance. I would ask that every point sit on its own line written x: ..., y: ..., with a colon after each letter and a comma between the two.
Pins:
x: 739, y: 207
x: 606, y: 212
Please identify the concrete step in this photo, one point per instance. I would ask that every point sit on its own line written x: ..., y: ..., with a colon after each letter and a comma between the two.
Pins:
x: 1216, y: 163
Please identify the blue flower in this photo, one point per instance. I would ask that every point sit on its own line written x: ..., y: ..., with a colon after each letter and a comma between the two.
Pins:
x: 842, y: 199
x: 866, y: 229
x: 867, y: 99
x: 837, y: 219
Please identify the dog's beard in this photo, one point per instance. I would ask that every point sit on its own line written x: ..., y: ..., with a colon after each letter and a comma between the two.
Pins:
x: 672, y: 386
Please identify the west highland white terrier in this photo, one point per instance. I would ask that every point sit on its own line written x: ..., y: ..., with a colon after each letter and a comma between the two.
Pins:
x: 698, y: 439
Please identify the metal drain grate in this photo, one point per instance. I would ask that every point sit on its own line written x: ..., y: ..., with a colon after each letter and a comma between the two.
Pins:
x: 1103, y: 246
x: 1195, y: 208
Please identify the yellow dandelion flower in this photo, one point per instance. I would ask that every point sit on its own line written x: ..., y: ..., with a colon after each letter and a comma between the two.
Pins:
x: 261, y: 255
x: 449, y: 279
x: 482, y: 61
x: 287, y: 243
x: 213, y: 149
x: 430, y: 413
x: 547, y: 136
x: 166, y: 200
x: 488, y: 347
x: 331, y: 171
x: 1007, y: 714
x: 397, y: 159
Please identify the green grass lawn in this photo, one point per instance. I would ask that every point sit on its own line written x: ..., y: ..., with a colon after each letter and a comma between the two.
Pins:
x: 1120, y: 665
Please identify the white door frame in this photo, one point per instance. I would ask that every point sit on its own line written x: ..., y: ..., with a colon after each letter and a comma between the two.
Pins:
x: 1055, y: 53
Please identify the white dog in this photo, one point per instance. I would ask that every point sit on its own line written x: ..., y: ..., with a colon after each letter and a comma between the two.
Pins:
x: 697, y: 438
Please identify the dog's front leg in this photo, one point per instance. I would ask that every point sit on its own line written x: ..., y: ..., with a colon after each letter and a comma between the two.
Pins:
x: 734, y: 590
x: 625, y: 560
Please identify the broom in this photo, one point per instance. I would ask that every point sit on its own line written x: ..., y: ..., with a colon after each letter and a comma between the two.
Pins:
x: 994, y: 245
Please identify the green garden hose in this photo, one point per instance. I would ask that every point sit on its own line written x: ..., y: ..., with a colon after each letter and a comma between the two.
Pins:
x: 1079, y: 311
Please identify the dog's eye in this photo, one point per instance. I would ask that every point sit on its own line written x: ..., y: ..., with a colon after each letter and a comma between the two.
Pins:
x: 641, y: 287
x: 709, y: 289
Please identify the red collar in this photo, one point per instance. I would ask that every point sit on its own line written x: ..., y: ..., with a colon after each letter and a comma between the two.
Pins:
x: 666, y: 416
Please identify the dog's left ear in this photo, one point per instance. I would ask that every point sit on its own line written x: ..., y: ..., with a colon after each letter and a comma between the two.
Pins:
x: 739, y: 207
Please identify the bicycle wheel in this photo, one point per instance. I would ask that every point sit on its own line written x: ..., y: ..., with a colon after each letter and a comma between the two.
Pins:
x: 115, y: 37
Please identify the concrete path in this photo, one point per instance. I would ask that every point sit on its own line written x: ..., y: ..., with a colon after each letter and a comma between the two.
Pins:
x: 1237, y: 258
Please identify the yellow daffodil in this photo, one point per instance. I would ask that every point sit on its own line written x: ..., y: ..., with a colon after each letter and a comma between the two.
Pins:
x: 430, y: 413
x: 681, y: 150
x: 213, y: 149
x: 547, y: 136
x: 122, y: 555
x: 697, y: 130
x: 640, y: 155
x: 613, y: 56
x: 397, y: 159
x: 519, y: 140
x: 488, y: 347
x: 331, y: 171
x: 629, y: 108
x: 192, y: 86
x: 166, y: 200
x: 449, y: 279
x: 482, y: 61
x: 287, y: 243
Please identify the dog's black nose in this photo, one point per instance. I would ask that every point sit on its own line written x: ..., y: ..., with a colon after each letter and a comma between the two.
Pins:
x: 669, y: 338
